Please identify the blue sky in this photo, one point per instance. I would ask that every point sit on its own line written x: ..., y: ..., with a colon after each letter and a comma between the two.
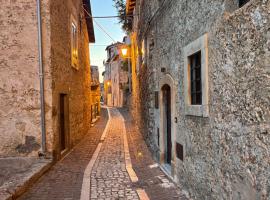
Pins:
x: 111, y: 25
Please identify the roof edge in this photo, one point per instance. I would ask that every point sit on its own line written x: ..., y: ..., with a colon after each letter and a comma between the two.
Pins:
x: 130, y: 5
x: 89, y: 21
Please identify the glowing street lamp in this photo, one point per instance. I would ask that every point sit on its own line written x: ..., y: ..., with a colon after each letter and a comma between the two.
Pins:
x: 124, y: 52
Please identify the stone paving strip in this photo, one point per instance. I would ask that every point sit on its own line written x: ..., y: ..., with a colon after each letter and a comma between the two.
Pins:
x: 64, y: 180
x: 129, y: 168
x: 132, y: 174
x: 85, y: 192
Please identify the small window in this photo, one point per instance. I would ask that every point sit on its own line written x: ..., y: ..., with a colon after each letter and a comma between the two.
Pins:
x: 74, y: 45
x: 195, y: 79
x: 180, y: 151
x: 242, y: 3
x: 143, y: 52
x: 156, y: 99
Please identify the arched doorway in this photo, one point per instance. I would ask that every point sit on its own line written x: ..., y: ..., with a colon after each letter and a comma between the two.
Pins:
x: 167, y: 126
x: 166, y: 138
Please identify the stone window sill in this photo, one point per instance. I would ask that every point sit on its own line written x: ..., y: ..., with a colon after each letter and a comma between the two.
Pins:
x: 197, y: 110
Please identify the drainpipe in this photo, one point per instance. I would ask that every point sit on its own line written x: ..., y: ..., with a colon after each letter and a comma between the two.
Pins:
x: 41, y: 80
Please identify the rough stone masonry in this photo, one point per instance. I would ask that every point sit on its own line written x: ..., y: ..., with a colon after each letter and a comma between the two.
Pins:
x: 20, y: 129
x: 227, y: 153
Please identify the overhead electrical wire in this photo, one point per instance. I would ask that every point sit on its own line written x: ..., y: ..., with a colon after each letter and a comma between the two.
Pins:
x: 128, y: 16
x: 106, y: 17
x: 99, y: 45
x: 116, y: 16
x: 104, y: 31
x: 99, y: 26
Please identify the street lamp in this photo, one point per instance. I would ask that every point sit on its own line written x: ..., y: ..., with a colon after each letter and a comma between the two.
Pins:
x: 125, y: 51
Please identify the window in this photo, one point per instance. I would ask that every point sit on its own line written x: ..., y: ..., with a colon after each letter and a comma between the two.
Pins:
x: 180, y: 151
x: 196, y: 77
x: 143, y: 51
x: 156, y: 99
x: 74, y: 45
x: 242, y: 3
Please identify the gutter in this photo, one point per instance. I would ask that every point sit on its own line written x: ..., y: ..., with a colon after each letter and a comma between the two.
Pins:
x: 41, y: 80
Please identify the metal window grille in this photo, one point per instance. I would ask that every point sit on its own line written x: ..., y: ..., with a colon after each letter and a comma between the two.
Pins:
x: 242, y: 3
x: 156, y: 99
x: 158, y: 136
x: 195, y: 79
x: 179, y: 151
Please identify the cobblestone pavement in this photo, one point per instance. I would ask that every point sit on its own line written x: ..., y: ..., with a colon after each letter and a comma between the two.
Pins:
x: 151, y: 178
x: 64, y: 180
x: 109, y: 178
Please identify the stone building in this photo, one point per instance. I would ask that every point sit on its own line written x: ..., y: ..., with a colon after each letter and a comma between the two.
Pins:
x: 95, y: 93
x: 115, y: 77
x: 201, y: 88
x: 54, y: 52
x: 102, y: 92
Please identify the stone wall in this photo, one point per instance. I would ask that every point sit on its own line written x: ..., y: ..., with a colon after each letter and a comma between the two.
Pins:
x: 226, y: 155
x: 239, y: 56
x: 95, y: 92
x: 75, y: 83
x: 20, y: 128
x: 19, y: 84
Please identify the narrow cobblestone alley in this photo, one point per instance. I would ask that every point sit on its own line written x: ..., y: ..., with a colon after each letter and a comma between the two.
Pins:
x: 105, y: 170
x: 134, y: 100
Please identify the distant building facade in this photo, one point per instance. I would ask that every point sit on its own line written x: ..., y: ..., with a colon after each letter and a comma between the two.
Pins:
x: 102, y: 93
x: 200, y: 72
x: 95, y: 93
x: 115, y: 77
x: 66, y: 31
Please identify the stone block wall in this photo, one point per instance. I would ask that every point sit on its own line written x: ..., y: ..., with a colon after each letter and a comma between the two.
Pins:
x: 226, y: 155
x: 95, y: 92
x: 75, y: 83
x: 19, y: 84
x: 20, y: 126
x: 240, y: 105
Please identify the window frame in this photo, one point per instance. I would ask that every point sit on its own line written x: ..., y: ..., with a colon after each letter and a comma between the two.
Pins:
x: 195, y: 69
x: 74, y: 43
x: 241, y: 4
x: 143, y: 50
x: 199, y: 45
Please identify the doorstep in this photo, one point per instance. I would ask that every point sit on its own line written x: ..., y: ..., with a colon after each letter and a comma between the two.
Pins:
x: 94, y: 121
x: 17, y: 174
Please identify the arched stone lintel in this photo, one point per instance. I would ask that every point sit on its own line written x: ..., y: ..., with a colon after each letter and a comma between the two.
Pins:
x: 167, y: 79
